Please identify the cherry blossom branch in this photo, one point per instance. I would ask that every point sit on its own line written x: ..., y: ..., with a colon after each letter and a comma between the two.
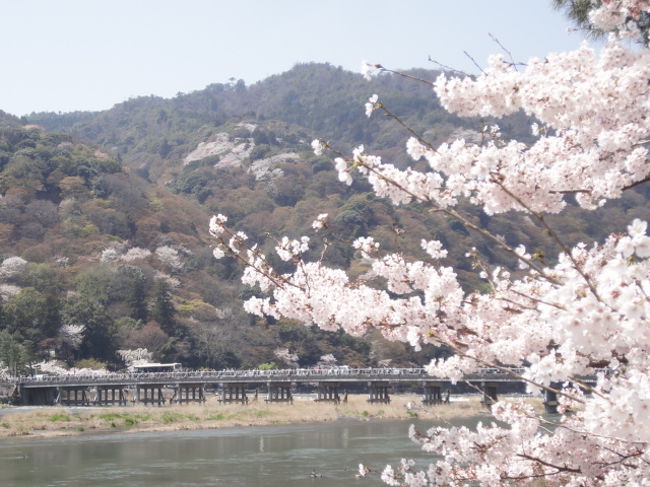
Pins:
x: 513, y: 374
x: 591, y: 433
x: 499, y: 242
x: 637, y: 183
x: 447, y: 211
x: 474, y: 61
x: 403, y: 75
x: 447, y: 68
x: 453, y: 213
x: 549, y: 464
x: 278, y: 280
x: 540, y: 301
x: 410, y: 130
x: 551, y: 232
x: 513, y: 63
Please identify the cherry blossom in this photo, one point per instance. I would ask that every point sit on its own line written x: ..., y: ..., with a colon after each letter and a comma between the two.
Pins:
x: 133, y: 357
x: 320, y: 222
x: 54, y: 367
x: 586, y: 315
x: 371, y: 105
x: 286, y: 356
x: 12, y: 267
x: 169, y: 256
x: 318, y: 147
x: 72, y: 334
x: 4, y: 372
x: 135, y: 253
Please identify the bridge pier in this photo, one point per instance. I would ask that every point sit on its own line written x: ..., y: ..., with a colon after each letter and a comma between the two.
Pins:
x: 146, y: 394
x: 73, y: 396
x: 279, y: 392
x: 233, y: 393
x: 550, y: 398
x: 328, y: 392
x: 433, y: 395
x: 489, y: 393
x: 379, y: 392
x: 186, y: 393
x: 110, y: 396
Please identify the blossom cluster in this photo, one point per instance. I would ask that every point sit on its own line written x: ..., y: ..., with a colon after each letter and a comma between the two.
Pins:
x: 620, y: 15
x: 12, y: 267
x: 286, y: 356
x: 133, y: 357
x: 291, y: 249
x: 121, y: 252
x: 320, y: 222
x: 169, y: 256
x: 588, y: 149
x: 54, y: 367
x: 72, y: 335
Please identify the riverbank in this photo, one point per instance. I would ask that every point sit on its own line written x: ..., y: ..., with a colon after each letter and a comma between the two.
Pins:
x: 54, y: 421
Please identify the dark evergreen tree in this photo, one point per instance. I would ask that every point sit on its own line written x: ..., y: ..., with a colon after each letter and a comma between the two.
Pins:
x: 163, y: 308
x: 13, y: 353
x: 99, y: 336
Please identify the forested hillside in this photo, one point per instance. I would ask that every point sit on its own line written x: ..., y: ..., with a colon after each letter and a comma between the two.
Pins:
x: 103, y: 217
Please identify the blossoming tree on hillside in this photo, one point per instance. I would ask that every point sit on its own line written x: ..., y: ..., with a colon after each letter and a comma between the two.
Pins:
x: 588, y: 315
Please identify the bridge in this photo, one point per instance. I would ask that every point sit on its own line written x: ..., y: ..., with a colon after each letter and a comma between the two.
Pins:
x: 159, y: 388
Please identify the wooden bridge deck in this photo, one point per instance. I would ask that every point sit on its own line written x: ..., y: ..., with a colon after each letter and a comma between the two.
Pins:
x: 339, y: 375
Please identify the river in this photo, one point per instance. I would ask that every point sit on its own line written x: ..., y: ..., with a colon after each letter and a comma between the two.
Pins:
x: 325, y: 454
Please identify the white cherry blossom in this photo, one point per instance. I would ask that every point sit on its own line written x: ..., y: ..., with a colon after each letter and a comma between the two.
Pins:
x: 588, y: 314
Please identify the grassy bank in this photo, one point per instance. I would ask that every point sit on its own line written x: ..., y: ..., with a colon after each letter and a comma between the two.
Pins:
x: 58, y: 421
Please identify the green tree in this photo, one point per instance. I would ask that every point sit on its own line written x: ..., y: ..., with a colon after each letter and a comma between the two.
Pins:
x: 135, y: 286
x: 163, y: 310
x: 99, y: 340
x: 13, y: 353
x: 31, y: 316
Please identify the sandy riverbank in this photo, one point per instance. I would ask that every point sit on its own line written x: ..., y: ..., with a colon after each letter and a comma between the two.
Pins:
x: 61, y: 421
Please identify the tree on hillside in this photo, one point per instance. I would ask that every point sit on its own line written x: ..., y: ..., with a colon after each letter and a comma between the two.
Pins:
x: 99, y: 339
x: 587, y: 313
x: 163, y: 308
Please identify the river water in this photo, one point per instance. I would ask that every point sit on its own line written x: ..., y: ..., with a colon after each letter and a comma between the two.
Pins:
x: 323, y: 455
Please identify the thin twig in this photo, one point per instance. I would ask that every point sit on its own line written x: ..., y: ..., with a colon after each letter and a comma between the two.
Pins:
x: 404, y: 75
x: 448, y: 68
x: 513, y: 63
x: 552, y: 233
x: 410, y: 130
x: 474, y: 61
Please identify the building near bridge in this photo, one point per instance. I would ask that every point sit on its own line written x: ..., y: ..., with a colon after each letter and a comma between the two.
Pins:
x: 155, y: 367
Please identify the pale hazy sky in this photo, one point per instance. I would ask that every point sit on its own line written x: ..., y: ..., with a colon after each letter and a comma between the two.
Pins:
x: 65, y: 55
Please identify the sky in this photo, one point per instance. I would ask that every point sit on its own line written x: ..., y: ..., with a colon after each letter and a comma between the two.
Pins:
x: 68, y: 55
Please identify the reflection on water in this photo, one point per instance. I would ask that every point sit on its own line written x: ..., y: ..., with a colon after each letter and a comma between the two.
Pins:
x: 274, y: 456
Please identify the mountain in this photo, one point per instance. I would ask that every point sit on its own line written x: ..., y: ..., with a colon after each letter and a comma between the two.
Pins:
x: 103, y: 216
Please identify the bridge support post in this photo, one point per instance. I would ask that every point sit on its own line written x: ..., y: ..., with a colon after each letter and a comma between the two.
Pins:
x: 279, y: 392
x: 73, y: 396
x: 550, y: 398
x: 328, y: 392
x: 186, y: 393
x: 489, y: 393
x: 234, y: 393
x: 433, y: 394
x: 149, y: 392
x: 379, y: 392
x: 111, y: 395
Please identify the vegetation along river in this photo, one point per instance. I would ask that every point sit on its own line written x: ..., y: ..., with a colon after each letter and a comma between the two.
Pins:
x: 326, y: 454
